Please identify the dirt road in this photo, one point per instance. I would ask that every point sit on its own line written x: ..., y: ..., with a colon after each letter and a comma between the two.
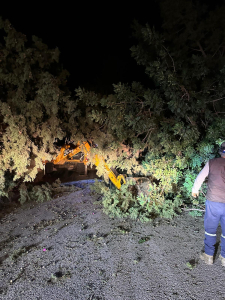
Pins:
x: 69, y: 249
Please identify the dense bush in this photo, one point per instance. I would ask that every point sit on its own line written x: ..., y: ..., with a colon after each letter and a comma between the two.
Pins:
x: 44, y: 192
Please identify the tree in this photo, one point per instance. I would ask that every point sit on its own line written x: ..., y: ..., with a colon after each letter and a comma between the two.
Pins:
x: 34, y: 106
x: 179, y: 119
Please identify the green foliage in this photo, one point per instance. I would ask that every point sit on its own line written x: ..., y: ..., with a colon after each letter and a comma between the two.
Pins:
x: 24, y: 195
x: 124, y: 203
x: 44, y: 192
x: 166, y: 131
x: 35, y: 193
x: 117, y: 202
x: 179, y: 121
x: 34, y: 105
x: 195, y: 213
x: 144, y: 239
x: 190, y: 266
x: 41, y: 193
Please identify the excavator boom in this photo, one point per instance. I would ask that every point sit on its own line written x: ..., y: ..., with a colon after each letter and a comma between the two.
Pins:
x: 69, y: 150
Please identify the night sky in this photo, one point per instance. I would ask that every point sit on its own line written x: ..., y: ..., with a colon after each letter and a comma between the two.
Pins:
x: 94, y: 40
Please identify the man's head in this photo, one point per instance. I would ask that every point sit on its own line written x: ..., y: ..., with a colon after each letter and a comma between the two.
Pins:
x: 222, y: 150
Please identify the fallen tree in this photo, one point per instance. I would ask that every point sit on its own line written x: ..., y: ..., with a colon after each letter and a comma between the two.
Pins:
x: 164, y: 132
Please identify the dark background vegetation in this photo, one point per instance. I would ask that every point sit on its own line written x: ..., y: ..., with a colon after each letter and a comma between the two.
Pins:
x: 94, y: 40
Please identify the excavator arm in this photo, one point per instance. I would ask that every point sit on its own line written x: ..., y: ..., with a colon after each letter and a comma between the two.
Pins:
x: 67, y: 152
x: 116, y: 180
x: 64, y: 157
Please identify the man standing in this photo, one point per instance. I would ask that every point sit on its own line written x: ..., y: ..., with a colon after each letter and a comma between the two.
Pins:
x: 215, y: 204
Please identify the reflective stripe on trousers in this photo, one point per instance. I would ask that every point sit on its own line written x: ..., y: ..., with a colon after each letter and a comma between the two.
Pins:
x: 210, y: 234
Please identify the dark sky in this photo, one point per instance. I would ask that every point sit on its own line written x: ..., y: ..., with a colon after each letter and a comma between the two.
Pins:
x: 94, y: 40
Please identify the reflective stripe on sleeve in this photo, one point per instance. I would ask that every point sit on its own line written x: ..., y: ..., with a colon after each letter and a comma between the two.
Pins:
x: 222, y: 236
x: 210, y: 234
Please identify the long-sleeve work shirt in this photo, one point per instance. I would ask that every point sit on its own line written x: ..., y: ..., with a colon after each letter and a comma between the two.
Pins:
x: 200, y: 178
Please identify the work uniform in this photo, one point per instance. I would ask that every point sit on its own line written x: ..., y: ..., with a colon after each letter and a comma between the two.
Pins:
x: 215, y: 203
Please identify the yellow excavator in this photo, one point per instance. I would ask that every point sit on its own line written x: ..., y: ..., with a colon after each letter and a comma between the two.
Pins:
x: 69, y: 151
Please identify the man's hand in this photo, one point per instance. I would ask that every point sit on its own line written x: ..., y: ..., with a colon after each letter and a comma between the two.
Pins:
x: 195, y: 194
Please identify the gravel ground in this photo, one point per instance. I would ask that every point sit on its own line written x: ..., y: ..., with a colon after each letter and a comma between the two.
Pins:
x: 68, y: 248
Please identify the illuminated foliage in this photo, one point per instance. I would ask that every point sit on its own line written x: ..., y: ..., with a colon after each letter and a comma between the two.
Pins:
x: 34, y: 106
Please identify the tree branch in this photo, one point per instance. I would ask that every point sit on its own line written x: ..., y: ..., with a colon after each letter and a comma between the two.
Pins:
x: 201, y: 49
x: 203, y: 123
x: 214, y: 108
x: 192, y: 123
x: 171, y: 59
x: 217, y: 50
x: 215, y: 100
x: 186, y: 92
x: 147, y: 135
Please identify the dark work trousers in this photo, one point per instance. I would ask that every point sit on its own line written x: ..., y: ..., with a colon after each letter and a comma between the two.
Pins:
x: 215, y: 213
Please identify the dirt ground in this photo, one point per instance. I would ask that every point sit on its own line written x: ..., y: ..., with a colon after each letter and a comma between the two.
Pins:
x: 68, y: 248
